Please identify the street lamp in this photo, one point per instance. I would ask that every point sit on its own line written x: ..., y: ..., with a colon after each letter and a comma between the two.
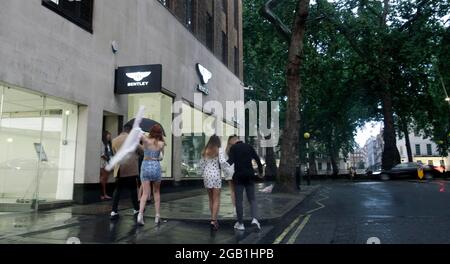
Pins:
x: 307, y: 136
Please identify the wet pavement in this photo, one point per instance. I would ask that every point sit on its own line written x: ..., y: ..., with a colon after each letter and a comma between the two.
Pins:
x: 395, y: 212
x: 185, y: 218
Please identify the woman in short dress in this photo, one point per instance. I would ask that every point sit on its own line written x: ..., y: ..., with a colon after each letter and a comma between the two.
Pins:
x: 212, y: 156
x: 151, y: 171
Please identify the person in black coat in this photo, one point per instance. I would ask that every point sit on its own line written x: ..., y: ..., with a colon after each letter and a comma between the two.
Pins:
x: 241, y: 155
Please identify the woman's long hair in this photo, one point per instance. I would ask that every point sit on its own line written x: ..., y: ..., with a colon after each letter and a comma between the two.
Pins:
x: 104, y: 138
x: 156, y: 132
x: 229, y: 145
x: 211, y: 149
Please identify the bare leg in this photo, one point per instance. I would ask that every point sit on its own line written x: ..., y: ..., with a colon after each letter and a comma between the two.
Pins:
x: 104, y: 181
x: 210, y: 199
x: 216, y: 203
x: 156, y: 196
x: 146, y: 189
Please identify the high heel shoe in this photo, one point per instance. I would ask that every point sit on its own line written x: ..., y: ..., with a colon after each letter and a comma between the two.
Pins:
x: 140, y: 219
x: 214, y: 225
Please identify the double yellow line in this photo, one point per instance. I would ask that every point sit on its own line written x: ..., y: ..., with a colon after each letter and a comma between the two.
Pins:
x: 302, y: 225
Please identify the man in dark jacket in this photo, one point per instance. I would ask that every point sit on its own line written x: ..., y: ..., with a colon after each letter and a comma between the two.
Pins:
x: 241, y: 155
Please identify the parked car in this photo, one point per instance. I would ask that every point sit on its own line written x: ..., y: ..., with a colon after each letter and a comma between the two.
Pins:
x: 407, y: 170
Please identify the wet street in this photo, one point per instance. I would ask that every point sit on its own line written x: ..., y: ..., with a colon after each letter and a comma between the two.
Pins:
x: 397, y: 212
x: 340, y: 212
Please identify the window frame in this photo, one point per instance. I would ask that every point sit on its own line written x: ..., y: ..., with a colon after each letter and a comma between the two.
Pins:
x: 418, y: 150
x: 429, y: 149
x: 88, y: 26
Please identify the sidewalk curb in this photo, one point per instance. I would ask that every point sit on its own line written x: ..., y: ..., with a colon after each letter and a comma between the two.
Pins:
x: 232, y: 220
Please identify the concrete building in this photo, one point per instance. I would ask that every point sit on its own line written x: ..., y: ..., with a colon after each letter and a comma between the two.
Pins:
x: 374, y: 151
x: 63, y: 80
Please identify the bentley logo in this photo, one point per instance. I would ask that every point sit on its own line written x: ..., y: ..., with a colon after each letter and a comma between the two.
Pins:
x: 205, y: 74
x: 138, y: 76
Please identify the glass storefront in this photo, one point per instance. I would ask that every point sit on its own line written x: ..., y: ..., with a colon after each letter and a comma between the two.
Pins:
x: 37, y: 143
x: 194, y: 139
x: 158, y: 107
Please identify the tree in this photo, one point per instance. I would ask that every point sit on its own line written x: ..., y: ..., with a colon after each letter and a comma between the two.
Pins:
x: 295, y: 37
x: 383, y: 35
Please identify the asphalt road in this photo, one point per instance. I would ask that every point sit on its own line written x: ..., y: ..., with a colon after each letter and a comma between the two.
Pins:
x: 395, y: 212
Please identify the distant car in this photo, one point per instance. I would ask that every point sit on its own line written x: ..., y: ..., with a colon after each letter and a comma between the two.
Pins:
x: 407, y: 170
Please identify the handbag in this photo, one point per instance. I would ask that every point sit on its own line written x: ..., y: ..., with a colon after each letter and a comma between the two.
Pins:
x: 228, y: 171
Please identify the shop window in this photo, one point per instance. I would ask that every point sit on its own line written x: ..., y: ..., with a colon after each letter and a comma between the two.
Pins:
x: 158, y: 107
x: 196, y: 129
x: 79, y: 12
x: 37, y: 142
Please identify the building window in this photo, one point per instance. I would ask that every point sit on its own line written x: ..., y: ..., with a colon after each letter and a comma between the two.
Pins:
x: 165, y: 3
x: 328, y: 166
x: 429, y: 150
x: 224, y: 48
x: 442, y: 163
x: 418, y: 149
x: 209, y: 31
x: 78, y: 12
x: 236, y: 61
x: 319, y: 165
x: 236, y: 14
x: 430, y: 162
x: 189, y: 13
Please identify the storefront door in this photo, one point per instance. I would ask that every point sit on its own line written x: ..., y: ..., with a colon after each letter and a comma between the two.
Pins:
x: 37, y: 149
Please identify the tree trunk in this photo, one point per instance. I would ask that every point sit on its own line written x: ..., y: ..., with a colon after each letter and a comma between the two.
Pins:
x: 407, y: 141
x: 391, y: 156
x: 290, y: 143
x: 312, y: 163
x: 334, y: 165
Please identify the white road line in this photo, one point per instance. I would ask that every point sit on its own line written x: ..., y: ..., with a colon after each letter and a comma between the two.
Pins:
x: 321, y: 205
x: 299, y: 230
x: 287, y: 230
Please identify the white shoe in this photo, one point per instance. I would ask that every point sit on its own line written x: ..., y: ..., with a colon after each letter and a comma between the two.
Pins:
x: 140, y: 219
x: 239, y: 226
x: 114, y: 216
x: 255, y: 222
x: 157, y: 219
x: 135, y: 212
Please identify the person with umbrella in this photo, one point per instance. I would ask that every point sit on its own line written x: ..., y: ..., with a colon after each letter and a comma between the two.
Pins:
x: 151, y: 170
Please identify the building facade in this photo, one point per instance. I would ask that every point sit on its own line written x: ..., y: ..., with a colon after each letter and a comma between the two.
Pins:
x: 59, y: 69
x: 423, y: 150
x: 374, y: 152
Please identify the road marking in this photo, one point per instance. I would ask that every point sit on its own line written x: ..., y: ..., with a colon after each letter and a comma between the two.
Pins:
x: 281, y: 237
x: 321, y: 205
x: 299, y: 230
x: 287, y: 230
